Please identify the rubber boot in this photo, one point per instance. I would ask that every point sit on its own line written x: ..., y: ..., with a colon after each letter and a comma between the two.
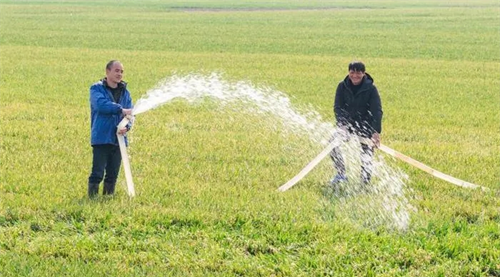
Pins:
x: 109, y: 189
x: 93, y: 189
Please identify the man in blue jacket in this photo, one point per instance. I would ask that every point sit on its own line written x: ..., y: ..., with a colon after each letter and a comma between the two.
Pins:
x: 358, y: 110
x: 110, y: 101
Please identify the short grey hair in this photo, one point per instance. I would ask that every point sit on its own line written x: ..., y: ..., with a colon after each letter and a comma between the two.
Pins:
x: 110, y: 64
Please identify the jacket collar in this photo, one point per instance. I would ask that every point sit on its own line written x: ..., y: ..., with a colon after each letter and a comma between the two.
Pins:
x: 365, y: 83
x: 121, y: 85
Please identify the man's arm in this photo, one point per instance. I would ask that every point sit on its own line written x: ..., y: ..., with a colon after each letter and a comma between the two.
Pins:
x: 127, y: 111
x: 338, y: 108
x: 376, y: 111
x: 100, y: 102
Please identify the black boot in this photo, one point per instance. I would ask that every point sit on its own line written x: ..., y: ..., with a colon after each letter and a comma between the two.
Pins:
x: 93, y: 189
x: 109, y: 188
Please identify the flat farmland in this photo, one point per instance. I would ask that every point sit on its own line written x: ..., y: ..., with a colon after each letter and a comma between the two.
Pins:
x: 206, y: 176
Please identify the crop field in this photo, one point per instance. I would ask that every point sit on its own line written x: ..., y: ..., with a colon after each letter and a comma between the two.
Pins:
x: 206, y: 172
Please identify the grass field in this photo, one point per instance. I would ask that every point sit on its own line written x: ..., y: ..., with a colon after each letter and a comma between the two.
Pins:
x: 206, y: 178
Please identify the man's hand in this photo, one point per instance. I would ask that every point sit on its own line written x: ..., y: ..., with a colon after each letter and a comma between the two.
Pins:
x: 376, y: 139
x: 123, y: 131
x: 126, y: 111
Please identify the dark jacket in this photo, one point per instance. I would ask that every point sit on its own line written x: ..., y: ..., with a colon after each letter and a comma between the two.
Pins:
x: 106, y: 114
x: 361, y: 112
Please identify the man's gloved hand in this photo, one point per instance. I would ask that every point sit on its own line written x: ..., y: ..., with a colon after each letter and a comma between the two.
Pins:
x: 126, y: 112
x: 122, y: 131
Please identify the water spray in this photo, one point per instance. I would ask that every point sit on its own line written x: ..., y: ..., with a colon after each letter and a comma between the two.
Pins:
x: 388, y: 207
x: 310, y: 165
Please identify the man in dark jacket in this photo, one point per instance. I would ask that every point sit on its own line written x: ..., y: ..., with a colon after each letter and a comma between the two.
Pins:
x: 110, y: 101
x: 358, y: 111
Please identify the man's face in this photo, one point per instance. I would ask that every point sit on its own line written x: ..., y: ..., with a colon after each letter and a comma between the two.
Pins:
x: 115, y: 74
x: 356, y: 77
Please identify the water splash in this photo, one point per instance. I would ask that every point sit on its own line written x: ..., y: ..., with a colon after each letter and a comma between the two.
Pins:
x: 385, y: 204
x: 263, y: 100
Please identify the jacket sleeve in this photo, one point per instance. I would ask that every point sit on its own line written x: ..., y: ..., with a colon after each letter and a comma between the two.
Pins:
x: 101, y: 103
x: 341, y: 114
x: 376, y: 110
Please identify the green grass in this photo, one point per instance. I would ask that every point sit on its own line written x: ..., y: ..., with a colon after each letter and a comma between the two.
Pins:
x: 206, y: 178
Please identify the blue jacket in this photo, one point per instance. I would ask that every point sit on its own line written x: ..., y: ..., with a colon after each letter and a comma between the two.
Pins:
x: 105, y: 113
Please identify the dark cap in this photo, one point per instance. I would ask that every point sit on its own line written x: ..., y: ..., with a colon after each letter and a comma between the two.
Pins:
x: 357, y: 66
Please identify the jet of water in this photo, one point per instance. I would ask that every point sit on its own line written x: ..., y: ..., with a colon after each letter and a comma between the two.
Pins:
x: 385, y: 205
x: 262, y: 100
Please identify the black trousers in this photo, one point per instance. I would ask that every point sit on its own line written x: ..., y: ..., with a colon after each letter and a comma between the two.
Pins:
x: 366, y: 161
x: 105, y: 165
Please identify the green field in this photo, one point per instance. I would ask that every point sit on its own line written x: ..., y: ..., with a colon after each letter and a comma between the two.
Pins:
x: 206, y: 177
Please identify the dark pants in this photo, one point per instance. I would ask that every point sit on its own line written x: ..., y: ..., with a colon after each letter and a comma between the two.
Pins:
x: 366, y: 162
x: 106, y: 159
